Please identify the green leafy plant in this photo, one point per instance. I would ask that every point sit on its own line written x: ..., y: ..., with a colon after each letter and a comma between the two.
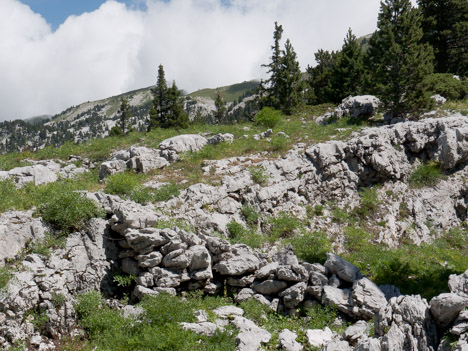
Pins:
x: 369, y: 202
x: 5, y: 276
x: 58, y: 299
x: 250, y: 214
x: 124, y: 280
x: 283, y: 226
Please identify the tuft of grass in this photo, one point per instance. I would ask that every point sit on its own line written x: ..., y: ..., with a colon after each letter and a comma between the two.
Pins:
x: 426, y: 175
x: 312, y: 247
x: 283, y: 226
x: 123, y: 183
x: 5, y: 276
x: 258, y: 175
x: 239, y: 234
x: 44, y: 247
x: 250, y: 214
x: 369, y: 203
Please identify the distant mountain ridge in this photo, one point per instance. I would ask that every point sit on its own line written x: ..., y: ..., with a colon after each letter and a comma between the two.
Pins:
x: 94, y: 119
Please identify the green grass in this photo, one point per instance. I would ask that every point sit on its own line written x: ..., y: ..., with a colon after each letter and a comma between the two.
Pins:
x: 259, y: 175
x: 283, y: 226
x: 426, y: 175
x: 414, y: 269
x: 5, y: 276
x: 369, y: 203
x: 311, y: 247
x: 240, y: 235
x: 313, y: 317
x: 268, y: 117
x: 156, y: 329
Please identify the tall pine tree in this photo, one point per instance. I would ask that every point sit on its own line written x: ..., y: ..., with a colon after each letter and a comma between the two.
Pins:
x: 177, y: 117
x: 445, y: 26
x: 124, y: 115
x: 347, y: 75
x: 291, y: 84
x: 220, y: 113
x: 159, y: 109
x: 398, y: 59
x: 167, y: 110
x: 283, y: 89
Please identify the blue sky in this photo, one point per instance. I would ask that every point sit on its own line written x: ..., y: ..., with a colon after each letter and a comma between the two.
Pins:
x: 56, y: 12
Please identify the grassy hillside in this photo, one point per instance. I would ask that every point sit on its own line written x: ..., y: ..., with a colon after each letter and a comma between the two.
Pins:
x: 229, y: 92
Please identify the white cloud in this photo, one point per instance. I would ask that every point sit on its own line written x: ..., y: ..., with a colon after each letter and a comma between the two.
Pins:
x: 201, y: 43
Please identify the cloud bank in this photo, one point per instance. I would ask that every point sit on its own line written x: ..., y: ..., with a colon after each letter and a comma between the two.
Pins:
x: 200, y: 43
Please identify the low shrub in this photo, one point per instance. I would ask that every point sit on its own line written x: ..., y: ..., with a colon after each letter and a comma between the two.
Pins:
x: 45, y: 245
x: 250, y: 214
x: 240, y: 235
x: 68, y: 210
x: 426, y: 175
x: 268, y: 117
x: 5, y: 276
x: 445, y: 85
x: 258, y: 175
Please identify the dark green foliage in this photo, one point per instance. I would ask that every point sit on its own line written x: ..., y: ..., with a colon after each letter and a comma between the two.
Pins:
x: 428, y: 174
x: 347, y: 75
x: 312, y: 247
x: 115, y: 131
x: 283, y: 90
x: 167, y: 110
x: 291, y: 80
x: 398, y: 60
x: 445, y: 85
x: 445, y: 25
x: 318, y: 81
x: 124, y: 116
x: 268, y: 117
x: 221, y: 110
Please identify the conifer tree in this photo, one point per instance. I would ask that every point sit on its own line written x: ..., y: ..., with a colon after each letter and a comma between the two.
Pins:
x: 270, y: 89
x: 124, y: 115
x: 176, y: 115
x: 318, y: 82
x: 445, y: 26
x: 159, y: 109
x: 220, y: 105
x: 167, y: 110
x: 291, y: 85
x: 283, y: 89
x: 346, y: 76
x: 398, y: 59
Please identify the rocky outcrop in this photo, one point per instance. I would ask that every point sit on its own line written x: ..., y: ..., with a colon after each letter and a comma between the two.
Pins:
x: 50, y: 284
x: 354, y: 106
x: 42, y: 172
x: 16, y: 230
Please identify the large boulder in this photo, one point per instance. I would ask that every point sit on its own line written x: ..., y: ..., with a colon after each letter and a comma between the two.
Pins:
x: 446, y: 307
x: 16, y: 229
x: 458, y: 284
x: 238, y: 261
x: 184, y: 143
x: 357, y: 106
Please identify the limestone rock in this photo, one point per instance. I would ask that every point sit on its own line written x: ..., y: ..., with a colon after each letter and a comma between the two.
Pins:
x: 269, y: 287
x: 294, y: 295
x: 184, y: 143
x: 318, y: 337
x: 239, y: 260
x: 458, y: 284
x: 111, y: 167
x: 342, y: 268
x: 220, y: 138
x: 446, y: 307
x: 16, y: 229
x: 288, y: 341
